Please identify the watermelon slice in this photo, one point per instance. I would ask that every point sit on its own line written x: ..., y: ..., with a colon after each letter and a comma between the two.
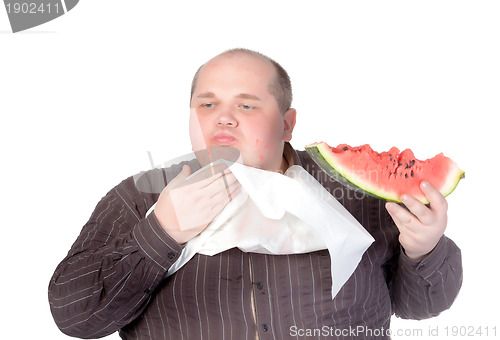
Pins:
x: 387, y: 175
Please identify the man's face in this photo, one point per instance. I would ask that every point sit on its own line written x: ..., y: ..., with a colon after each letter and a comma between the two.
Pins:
x: 231, y: 106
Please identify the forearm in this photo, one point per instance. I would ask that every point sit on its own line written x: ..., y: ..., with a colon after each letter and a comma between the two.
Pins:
x: 426, y: 288
x: 96, y: 290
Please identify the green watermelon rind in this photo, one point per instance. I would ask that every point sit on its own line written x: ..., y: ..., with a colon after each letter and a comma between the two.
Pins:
x: 331, y: 171
x: 314, y: 150
x: 452, y: 181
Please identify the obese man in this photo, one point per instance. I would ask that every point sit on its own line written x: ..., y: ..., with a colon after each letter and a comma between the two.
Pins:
x: 114, y: 276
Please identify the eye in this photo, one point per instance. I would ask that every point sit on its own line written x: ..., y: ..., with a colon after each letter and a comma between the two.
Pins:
x: 247, y: 107
x: 208, y: 105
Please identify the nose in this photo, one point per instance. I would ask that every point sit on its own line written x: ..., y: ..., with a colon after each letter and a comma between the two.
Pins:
x: 227, y: 118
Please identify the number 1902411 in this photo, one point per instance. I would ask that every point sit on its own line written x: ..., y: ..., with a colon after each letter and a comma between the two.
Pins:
x: 472, y: 331
x: 33, y: 8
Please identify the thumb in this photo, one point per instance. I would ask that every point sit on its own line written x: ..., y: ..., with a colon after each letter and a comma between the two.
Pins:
x: 178, y: 180
x: 185, y: 172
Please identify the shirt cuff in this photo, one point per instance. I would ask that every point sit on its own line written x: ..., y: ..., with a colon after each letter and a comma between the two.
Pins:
x: 156, y: 244
x: 426, y: 267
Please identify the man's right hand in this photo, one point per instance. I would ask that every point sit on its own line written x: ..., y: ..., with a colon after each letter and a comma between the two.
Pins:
x: 186, y: 207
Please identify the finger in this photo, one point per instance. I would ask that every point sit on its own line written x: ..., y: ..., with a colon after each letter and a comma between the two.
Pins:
x: 209, y: 172
x: 233, y: 190
x: 406, y: 233
x: 221, y: 185
x: 225, y: 191
x: 178, y: 180
x: 221, y: 204
x: 224, y: 179
x: 400, y: 213
x: 437, y: 201
x: 202, y: 195
x: 403, y: 219
x: 197, y: 182
x: 419, y: 210
x: 220, y: 168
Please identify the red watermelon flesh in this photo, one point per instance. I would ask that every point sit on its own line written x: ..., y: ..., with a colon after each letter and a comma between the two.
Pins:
x: 388, y: 174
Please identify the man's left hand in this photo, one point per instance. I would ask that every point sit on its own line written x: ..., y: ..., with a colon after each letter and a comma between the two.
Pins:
x: 422, y: 226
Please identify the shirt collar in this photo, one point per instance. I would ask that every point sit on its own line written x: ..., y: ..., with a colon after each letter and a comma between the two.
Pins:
x: 291, y: 155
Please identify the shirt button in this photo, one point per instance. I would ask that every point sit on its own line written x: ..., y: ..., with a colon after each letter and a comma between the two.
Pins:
x: 171, y: 256
x: 259, y: 286
x: 264, y: 327
x: 422, y: 267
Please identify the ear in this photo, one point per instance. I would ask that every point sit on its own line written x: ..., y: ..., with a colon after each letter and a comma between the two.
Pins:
x: 289, y: 123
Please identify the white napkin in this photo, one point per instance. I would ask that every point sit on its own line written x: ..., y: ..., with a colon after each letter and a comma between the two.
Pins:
x: 283, y: 214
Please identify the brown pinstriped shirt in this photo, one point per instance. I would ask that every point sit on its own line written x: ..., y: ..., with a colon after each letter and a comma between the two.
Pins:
x: 113, y: 278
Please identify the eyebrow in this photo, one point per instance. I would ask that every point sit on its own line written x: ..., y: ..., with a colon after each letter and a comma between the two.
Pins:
x: 241, y: 96
x: 247, y: 96
x: 206, y: 95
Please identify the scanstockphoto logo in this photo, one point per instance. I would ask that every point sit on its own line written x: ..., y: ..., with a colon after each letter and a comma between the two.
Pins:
x: 24, y: 15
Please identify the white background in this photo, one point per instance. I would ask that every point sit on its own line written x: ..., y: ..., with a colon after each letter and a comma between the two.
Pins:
x: 84, y: 97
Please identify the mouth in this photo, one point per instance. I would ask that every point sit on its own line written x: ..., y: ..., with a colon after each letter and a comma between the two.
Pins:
x: 223, y: 138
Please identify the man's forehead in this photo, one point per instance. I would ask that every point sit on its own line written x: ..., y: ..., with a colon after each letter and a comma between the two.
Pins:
x: 226, y: 65
x: 243, y: 61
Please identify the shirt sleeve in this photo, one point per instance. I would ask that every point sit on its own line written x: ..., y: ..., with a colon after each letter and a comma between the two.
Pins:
x: 423, y: 289
x: 112, y: 269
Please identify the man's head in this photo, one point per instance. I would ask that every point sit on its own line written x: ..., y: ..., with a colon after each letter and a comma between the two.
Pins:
x: 241, y: 99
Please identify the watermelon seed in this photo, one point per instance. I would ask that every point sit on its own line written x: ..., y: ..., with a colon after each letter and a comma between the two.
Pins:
x: 345, y: 148
x: 407, y: 166
x: 406, y: 175
x: 412, y: 174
